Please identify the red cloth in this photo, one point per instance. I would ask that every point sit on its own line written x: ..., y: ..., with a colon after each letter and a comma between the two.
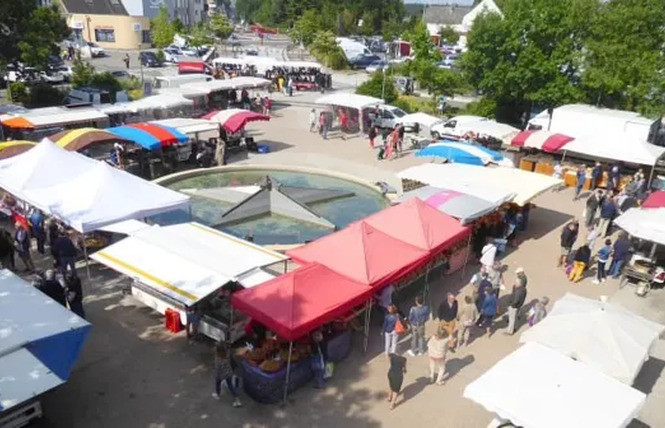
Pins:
x: 160, y: 133
x: 655, y: 200
x: 363, y: 253
x: 300, y: 301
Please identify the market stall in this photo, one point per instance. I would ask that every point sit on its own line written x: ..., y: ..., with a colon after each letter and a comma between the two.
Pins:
x: 149, y: 135
x: 536, y: 387
x: 189, y: 267
x: 41, y: 341
x: 541, y: 140
x: 233, y: 120
x: 466, y: 153
x: 293, y: 305
x: 13, y: 148
x: 80, y: 139
x: 36, y: 124
x: 607, y: 337
x: 350, y: 105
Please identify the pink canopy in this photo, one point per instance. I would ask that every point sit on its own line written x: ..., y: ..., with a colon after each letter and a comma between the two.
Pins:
x: 655, y: 200
x: 541, y: 140
x: 234, y: 119
x: 302, y: 300
x: 362, y: 253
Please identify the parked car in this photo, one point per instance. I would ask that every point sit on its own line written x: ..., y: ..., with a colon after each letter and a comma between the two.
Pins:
x: 96, y: 50
x: 388, y: 115
x: 54, y: 61
x: 363, y: 61
x: 453, y: 127
x: 52, y: 77
x: 376, y: 66
x: 66, y: 71
x: 171, y: 53
x: 121, y: 74
x: 252, y: 52
x: 149, y: 59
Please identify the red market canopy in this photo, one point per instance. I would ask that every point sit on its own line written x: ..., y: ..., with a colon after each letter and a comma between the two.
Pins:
x: 542, y: 140
x: 234, y: 119
x: 418, y: 224
x: 300, y: 301
x: 362, y: 253
x: 655, y: 200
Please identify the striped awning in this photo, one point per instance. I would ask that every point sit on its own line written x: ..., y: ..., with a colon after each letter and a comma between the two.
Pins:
x: 542, y: 140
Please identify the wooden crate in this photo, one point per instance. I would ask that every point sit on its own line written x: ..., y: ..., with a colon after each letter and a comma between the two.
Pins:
x: 527, y: 164
x: 545, y: 168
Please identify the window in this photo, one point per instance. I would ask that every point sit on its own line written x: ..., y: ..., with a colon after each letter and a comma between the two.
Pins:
x: 107, y: 36
x: 145, y: 36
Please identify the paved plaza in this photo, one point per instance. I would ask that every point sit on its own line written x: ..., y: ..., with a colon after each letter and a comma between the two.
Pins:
x: 133, y: 373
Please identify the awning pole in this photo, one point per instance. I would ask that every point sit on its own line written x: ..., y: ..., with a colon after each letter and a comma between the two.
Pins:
x: 564, y: 156
x: 368, y: 315
x: 653, y: 168
x: 85, y: 255
x: 653, y: 251
x: 286, y: 262
x: 288, y: 373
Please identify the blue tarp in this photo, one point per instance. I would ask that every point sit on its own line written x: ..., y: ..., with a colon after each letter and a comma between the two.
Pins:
x: 460, y: 153
x: 140, y: 137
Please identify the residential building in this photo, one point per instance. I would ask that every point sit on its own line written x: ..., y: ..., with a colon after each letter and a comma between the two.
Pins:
x: 456, y: 14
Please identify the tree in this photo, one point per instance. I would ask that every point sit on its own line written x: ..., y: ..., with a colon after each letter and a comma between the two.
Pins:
x: 624, y: 56
x: 162, y: 28
x: 531, y: 56
x: 220, y: 26
x: 29, y: 33
x: 200, y: 35
x: 325, y: 48
x: 308, y: 26
x: 448, y: 35
x: 82, y: 72
x: 379, y: 86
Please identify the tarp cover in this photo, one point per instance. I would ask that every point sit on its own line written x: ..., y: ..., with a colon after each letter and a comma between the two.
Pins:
x: 300, y: 301
x: 39, y: 341
x: 466, y: 153
x: 616, y: 147
x: 536, y: 387
x: 646, y: 224
x: 185, y: 261
x: 420, y: 225
x: 456, y: 204
x: 349, y: 100
x: 362, y: 253
x: 655, y: 200
x: 477, y: 180
x: 422, y: 119
x: 607, y: 337
x: 235, y: 119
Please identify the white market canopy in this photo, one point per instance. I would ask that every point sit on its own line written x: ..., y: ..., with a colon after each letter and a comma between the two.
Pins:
x: 152, y: 102
x: 623, y: 148
x: 243, y: 82
x: 423, y: 119
x: 188, y: 261
x: 81, y: 192
x: 349, y: 100
x: 648, y: 224
x: 53, y: 116
x: 494, y: 184
x: 607, y: 337
x: 39, y: 341
x: 536, y: 387
x: 490, y: 128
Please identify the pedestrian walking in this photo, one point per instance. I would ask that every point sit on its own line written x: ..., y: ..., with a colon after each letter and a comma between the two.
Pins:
x: 567, y: 240
x: 488, y: 254
x: 592, y: 236
x: 467, y: 316
x: 608, y: 210
x: 495, y: 275
x: 6, y: 250
x: 596, y: 174
x: 312, y: 120
x: 36, y: 222
x: 224, y: 373
x: 52, y: 288
x: 603, y: 257
x: 437, y: 348
x: 390, y: 329
x: 621, y: 253
x: 488, y: 311
x: 66, y: 253
x: 580, y: 178
x: 484, y: 285
x: 418, y: 316
x: 538, y: 311
x: 580, y: 263
x: 373, y: 132
x: 447, y: 315
x: 517, y: 299
x: 395, y: 377
x: 319, y: 359
x: 614, y: 177
x: 592, y: 203
x: 74, y: 294
x: 126, y: 60
x: 22, y: 246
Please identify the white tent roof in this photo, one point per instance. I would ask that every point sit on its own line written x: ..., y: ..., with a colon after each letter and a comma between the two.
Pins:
x: 349, y: 100
x: 203, y: 128
x: 228, y: 60
x: 182, y: 91
x: 500, y: 131
x: 84, y: 193
x: 161, y: 101
x: 248, y: 82
x: 422, y: 119
x: 188, y: 261
x: 50, y: 116
x: 125, y: 227
x: 505, y: 184
x: 646, y: 224
x: 618, y: 147
x: 609, y: 338
x: 536, y: 387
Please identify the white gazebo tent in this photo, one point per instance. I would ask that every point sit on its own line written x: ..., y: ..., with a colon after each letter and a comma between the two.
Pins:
x: 186, y: 262
x: 536, y: 387
x: 607, y: 337
x: 647, y: 224
x: 354, y: 101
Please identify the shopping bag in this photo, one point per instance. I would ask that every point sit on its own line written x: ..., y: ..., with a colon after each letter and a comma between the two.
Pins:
x: 399, y: 327
x: 328, y: 372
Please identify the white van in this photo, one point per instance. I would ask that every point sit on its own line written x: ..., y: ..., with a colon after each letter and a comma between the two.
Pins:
x: 177, y: 81
x: 388, y: 116
x: 454, y: 127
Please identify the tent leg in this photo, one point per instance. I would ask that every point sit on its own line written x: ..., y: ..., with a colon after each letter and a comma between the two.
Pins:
x: 563, y: 158
x: 288, y: 373
x: 368, y: 315
x: 85, y: 255
x: 653, y: 251
x: 285, y: 265
x: 651, y: 176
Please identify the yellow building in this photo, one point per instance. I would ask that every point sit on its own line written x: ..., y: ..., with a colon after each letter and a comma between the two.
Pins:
x: 107, y: 23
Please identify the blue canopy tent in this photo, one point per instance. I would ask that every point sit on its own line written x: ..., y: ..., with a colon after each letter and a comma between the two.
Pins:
x: 470, y: 154
x: 149, y: 135
x: 41, y: 341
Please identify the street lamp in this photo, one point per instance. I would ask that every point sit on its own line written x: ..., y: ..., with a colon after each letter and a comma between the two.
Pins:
x: 141, y: 64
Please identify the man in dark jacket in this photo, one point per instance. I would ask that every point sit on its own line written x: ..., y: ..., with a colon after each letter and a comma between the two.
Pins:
x: 596, y: 173
x: 608, y: 211
x: 52, y: 288
x: 66, y: 253
x: 448, y: 317
x: 620, y: 253
x: 568, y: 238
x: 592, y: 203
x: 74, y: 294
x: 517, y: 299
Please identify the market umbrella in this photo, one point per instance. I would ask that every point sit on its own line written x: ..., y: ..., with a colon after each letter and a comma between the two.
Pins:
x: 13, y: 148
x: 537, y: 387
x: 235, y: 119
x: 460, y: 205
x: 607, y: 337
x: 542, y: 140
x: 78, y: 139
x: 470, y: 154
